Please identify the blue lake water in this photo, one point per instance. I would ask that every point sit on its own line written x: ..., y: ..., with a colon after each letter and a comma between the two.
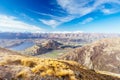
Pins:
x: 22, y: 46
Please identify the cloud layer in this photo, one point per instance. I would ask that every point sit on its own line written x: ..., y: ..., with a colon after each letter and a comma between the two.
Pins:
x: 12, y: 24
x: 52, y: 23
x: 83, y: 7
x: 79, y: 8
x: 87, y: 20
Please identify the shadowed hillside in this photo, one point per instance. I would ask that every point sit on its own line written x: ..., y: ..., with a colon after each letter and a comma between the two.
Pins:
x: 101, y: 55
x: 14, y: 66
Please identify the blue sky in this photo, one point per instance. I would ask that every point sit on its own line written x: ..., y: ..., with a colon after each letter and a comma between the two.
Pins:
x: 100, y: 16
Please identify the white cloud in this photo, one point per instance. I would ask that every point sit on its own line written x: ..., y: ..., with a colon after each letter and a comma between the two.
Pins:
x: 115, y: 8
x: 79, y: 8
x: 52, y: 23
x: 107, y: 11
x: 76, y: 7
x: 56, y: 21
x: 87, y: 20
x: 83, y: 7
x: 12, y: 24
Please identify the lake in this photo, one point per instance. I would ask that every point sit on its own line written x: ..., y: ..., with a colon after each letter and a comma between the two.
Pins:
x: 22, y: 46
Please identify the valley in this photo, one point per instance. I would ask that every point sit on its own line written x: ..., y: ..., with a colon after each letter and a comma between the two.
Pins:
x: 59, y: 39
x: 99, y: 55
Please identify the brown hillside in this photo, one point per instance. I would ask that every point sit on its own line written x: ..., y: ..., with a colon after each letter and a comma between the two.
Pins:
x: 13, y: 66
x: 101, y: 55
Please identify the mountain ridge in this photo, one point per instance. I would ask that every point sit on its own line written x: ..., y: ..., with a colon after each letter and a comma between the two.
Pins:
x: 100, y: 55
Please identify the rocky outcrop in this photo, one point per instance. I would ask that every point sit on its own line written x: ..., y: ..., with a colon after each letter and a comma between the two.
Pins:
x: 101, y: 55
x: 51, y: 44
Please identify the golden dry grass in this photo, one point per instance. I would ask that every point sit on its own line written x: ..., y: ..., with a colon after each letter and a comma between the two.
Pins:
x: 32, y: 68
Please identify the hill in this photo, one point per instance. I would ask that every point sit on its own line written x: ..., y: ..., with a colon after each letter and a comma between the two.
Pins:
x: 43, y: 48
x: 14, y: 66
x: 101, y: 55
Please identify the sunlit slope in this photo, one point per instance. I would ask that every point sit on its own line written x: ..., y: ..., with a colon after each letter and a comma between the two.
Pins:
x: 14, y: 66
x: 101, y: 55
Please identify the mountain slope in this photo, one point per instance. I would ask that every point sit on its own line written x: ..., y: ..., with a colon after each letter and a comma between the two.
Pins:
x: 14, y: 66
x: 101, y: 55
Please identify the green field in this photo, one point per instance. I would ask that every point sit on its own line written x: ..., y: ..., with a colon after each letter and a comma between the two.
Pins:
x: 53, y: 54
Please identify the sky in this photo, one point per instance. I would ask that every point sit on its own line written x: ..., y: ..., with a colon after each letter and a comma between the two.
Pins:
x: 99, y: 16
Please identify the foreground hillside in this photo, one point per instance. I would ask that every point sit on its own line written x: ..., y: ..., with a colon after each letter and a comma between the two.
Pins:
x: 14, y: 66
x: 101, y: 55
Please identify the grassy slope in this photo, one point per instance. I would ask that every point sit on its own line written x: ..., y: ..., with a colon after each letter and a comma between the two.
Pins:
x: 29, y: 68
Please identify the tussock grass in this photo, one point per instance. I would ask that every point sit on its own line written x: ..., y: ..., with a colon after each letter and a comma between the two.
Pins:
x: 32, y: 68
